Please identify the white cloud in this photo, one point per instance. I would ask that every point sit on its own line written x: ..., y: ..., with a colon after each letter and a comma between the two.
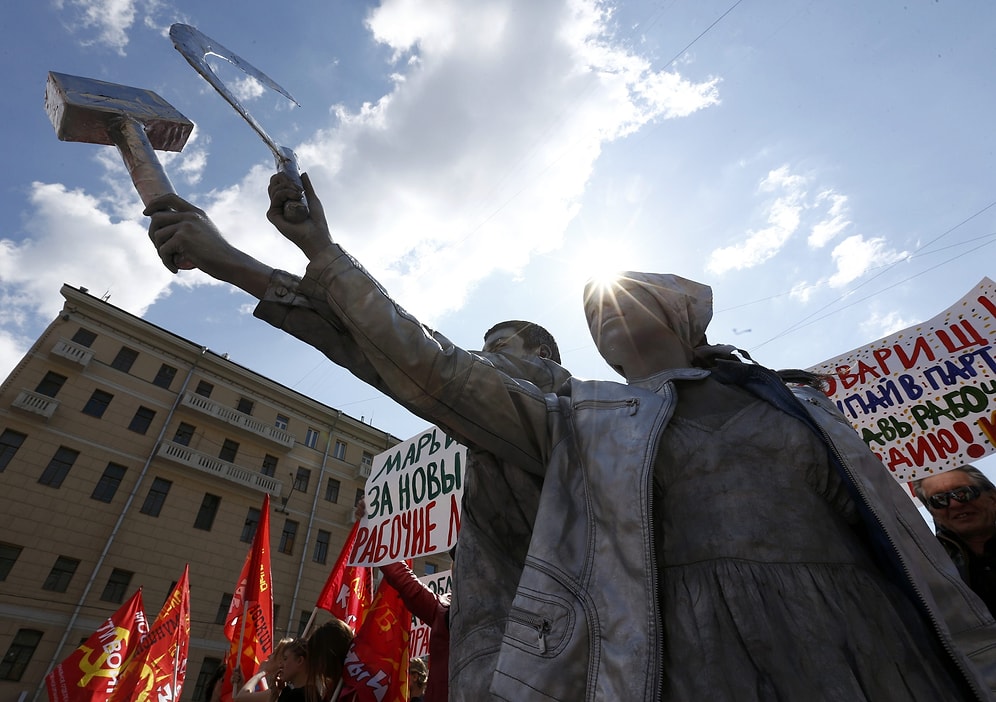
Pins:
x: 783, y: 215
x: 71, y: 240
x: 802, y: 291
x: 103, y: 22
x: 855, y: 255
x: 879, y: 325
x: 827, y: 229
x: 511, y: 103
x: 246, y: 88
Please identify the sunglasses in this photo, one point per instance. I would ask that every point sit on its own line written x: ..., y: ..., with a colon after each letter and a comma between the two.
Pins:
x: 966, y: 493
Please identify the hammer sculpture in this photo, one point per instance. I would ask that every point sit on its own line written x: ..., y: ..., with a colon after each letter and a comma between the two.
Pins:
x: 195, y: 47
x: 137, y: 121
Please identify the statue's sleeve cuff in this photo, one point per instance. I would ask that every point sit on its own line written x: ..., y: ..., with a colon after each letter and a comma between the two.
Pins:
x: 282, y: 295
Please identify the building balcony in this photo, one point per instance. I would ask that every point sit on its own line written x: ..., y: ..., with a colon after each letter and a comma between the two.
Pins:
x: 72, y: 352
x: 36, y: 403
x: 185, y: 455
x: 363, y: 470
x: 234, y: 418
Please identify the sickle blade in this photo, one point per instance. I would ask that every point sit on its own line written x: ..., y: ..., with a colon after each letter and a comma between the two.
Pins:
x: 195, y: 46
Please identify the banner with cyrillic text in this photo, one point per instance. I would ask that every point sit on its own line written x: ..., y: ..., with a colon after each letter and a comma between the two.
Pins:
x: 924, y: 398
x: 413, y: 499
x: 440, y: 584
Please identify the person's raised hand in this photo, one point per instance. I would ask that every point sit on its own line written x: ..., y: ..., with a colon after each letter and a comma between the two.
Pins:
x: 312, y: 235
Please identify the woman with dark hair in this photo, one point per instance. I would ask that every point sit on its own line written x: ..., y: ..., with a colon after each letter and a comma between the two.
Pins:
x: 327, y: 649
x: 311, y: 669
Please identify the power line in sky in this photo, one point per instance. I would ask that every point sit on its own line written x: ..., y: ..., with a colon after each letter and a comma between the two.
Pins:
x: 812, y: 317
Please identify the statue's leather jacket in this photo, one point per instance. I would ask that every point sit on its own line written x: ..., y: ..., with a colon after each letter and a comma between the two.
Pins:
x: 584, y: 624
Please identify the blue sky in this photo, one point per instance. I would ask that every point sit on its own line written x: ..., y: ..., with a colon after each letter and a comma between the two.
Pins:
x: 827, y: 167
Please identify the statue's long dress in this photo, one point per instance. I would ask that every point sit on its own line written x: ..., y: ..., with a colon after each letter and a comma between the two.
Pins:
x: 767, y: 591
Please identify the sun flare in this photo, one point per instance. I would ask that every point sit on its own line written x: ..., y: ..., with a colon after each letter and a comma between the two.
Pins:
x: 600, y: 261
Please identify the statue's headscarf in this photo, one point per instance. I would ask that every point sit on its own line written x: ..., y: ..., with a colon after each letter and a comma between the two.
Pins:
x: 685, y: 306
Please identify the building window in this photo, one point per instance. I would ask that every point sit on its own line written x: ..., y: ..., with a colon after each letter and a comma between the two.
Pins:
x: 367, y: 460
x: 61, y: 574
x: 228, y: 450
x: 269, y: 466
x: 58, y: 467
x: 222, y: 614
x: 164, y: 378
x: 142, y: 420
x: 97, y: 404
x: 311, y: 438
x: 287, y: 536
x: 84, y: 337
x: 124, y: 360
x: 358, y: 496
x: 321, y: 547
x: 302, y: 479
x: 22, y: 648
x: 244, y: 406
x: 109, y: 483
x: 332, y: 490
x: 169, y: 590
x: 204, y: 388
x: 8, y: 556
x: 207, y: 512
x: 117, y: 585
x: 50, y: 384
x: 184, y: 433
x: 10, y: 441
x: 339, y: 450
x: 281, y: 422
x: 431, y: 568
x: 156, y: 498
x: 249, y: 528
x: 208, y: 668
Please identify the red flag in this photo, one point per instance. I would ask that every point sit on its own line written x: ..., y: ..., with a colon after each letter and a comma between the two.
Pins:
x: 250, y: 615
x: 157, y: 665
x: 90, y: 672
x: 349, y: 590
x: 377, y: 663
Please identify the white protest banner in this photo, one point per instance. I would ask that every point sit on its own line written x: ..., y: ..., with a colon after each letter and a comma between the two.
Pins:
x: 413, y: 500
x: 418, y: 642
x: 924, y: 398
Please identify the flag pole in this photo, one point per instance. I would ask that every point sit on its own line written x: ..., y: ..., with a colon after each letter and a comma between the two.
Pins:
x: 176, y: 665
x: 242, y: 632
x: 311, y: 620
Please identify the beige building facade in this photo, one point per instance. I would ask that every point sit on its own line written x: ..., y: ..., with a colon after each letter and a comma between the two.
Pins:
x: 127, y: 452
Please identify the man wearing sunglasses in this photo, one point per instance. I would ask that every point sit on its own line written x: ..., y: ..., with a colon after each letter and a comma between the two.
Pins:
x: 962, y: 502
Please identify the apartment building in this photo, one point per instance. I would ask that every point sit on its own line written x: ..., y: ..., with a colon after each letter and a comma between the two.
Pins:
x: 127, y: 452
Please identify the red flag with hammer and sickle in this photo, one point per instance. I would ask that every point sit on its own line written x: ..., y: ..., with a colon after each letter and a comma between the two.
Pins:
x: 249, y: 624
x: 91, y: 671
x: 157, y: 665
x: 349, y: 589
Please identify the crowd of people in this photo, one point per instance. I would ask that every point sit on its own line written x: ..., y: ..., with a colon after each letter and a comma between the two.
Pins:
x: 705, y: 529
x: 305, y: 669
